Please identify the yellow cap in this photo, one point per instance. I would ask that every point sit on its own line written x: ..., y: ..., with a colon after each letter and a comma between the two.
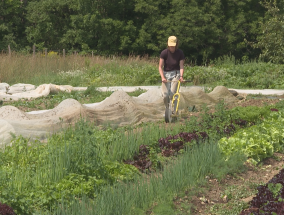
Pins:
x: 172, y: 41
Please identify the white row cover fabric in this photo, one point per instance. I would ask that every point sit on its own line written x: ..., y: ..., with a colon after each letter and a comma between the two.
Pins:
x: 119, y: 109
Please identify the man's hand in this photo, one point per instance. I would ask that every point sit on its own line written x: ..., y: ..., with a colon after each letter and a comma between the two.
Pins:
x: 164, y: 80
x: 181, y: 79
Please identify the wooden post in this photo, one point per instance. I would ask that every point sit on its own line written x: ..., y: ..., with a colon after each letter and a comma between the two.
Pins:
x: 64, y: 53
x: 45, y: 52
x: 33, y: 50
x: 92, y: 53
x: 9, y: 50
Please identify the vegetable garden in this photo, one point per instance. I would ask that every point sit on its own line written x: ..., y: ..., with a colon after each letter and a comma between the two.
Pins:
x: 87, y: 169
x: 88, y: 166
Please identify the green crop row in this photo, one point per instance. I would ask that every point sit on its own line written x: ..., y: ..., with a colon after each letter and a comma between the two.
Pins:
x: 136, y: 197
x: 87, y: 162
x: 79, y: 161
x: 259, y: 141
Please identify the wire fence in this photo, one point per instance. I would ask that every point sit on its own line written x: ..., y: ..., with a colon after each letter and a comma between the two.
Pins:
x: 48, y: 52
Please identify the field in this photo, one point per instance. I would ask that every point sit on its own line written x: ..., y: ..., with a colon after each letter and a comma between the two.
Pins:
x: 208, y: 162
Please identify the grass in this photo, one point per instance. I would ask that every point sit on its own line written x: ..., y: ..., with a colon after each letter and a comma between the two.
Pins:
x: 79, y: 70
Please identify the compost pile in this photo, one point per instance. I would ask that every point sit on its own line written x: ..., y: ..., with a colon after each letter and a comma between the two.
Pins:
x: 119, y: 109
x: 269, y: 199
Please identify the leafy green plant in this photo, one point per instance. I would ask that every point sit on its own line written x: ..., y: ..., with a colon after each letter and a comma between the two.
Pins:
x: 258, y: 141
x: 275, y: 188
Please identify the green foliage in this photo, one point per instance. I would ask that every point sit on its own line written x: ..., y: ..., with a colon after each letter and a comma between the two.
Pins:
x: 275, y: 188
x: 86, y: 163
x: 166, y: 208
x: 271, y: 40
x: 252, y: 114
x: 257, y: 75
x: 131, y: 74
x: 257, y: 142
x: 36, y: 176
x: 11, y: 24
x: 207, y: 29
x: 189, y: 170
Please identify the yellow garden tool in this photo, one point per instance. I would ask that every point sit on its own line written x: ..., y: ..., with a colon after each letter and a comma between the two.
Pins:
x: 171, y: 112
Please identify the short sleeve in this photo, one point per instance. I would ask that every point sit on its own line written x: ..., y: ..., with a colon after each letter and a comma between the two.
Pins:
x: 163, y: 54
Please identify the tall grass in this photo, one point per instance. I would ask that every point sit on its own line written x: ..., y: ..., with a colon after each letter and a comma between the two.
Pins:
x: 40, y: 69
x: 78, y: 70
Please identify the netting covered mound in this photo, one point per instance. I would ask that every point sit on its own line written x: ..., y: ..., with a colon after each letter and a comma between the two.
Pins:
x: 119, y: 109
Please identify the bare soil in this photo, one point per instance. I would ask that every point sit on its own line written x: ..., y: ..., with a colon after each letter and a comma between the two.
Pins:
x: 214, y: 193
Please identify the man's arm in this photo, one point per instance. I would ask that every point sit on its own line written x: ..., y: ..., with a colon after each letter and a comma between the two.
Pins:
x: 181, y: 64
x: 161, y: 65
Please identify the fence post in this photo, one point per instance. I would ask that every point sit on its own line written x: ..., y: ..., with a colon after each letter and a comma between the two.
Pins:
x: 9, y: 50
x: 33, y: 50
x: 45, y: 51
x: 92, y: 53
x: 64, y: 53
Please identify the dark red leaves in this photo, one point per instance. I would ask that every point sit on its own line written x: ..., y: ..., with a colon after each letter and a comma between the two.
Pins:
x: 6, y: 210
x: 140, y: 159
x: 265, y: 202
x: 169, y: 146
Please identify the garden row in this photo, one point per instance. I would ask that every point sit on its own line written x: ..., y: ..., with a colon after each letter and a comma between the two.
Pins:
x: 269, y: 199
x: 84, y: 165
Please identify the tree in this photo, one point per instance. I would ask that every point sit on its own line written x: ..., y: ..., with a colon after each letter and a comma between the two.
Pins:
x: 85, y: 25
x: 240, y: 22
x: 271, y: 41
x: 11, y: 24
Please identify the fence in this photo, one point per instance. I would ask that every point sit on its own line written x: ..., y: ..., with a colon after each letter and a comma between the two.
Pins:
x: 46, y: 51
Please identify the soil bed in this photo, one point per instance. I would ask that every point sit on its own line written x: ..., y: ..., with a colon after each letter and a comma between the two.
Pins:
x: 232, y: 193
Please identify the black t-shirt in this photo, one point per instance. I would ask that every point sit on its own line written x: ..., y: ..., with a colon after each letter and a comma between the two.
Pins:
x: 171, y: 60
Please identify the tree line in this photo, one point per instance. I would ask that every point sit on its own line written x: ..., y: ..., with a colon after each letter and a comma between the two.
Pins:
x: 206, y: 29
